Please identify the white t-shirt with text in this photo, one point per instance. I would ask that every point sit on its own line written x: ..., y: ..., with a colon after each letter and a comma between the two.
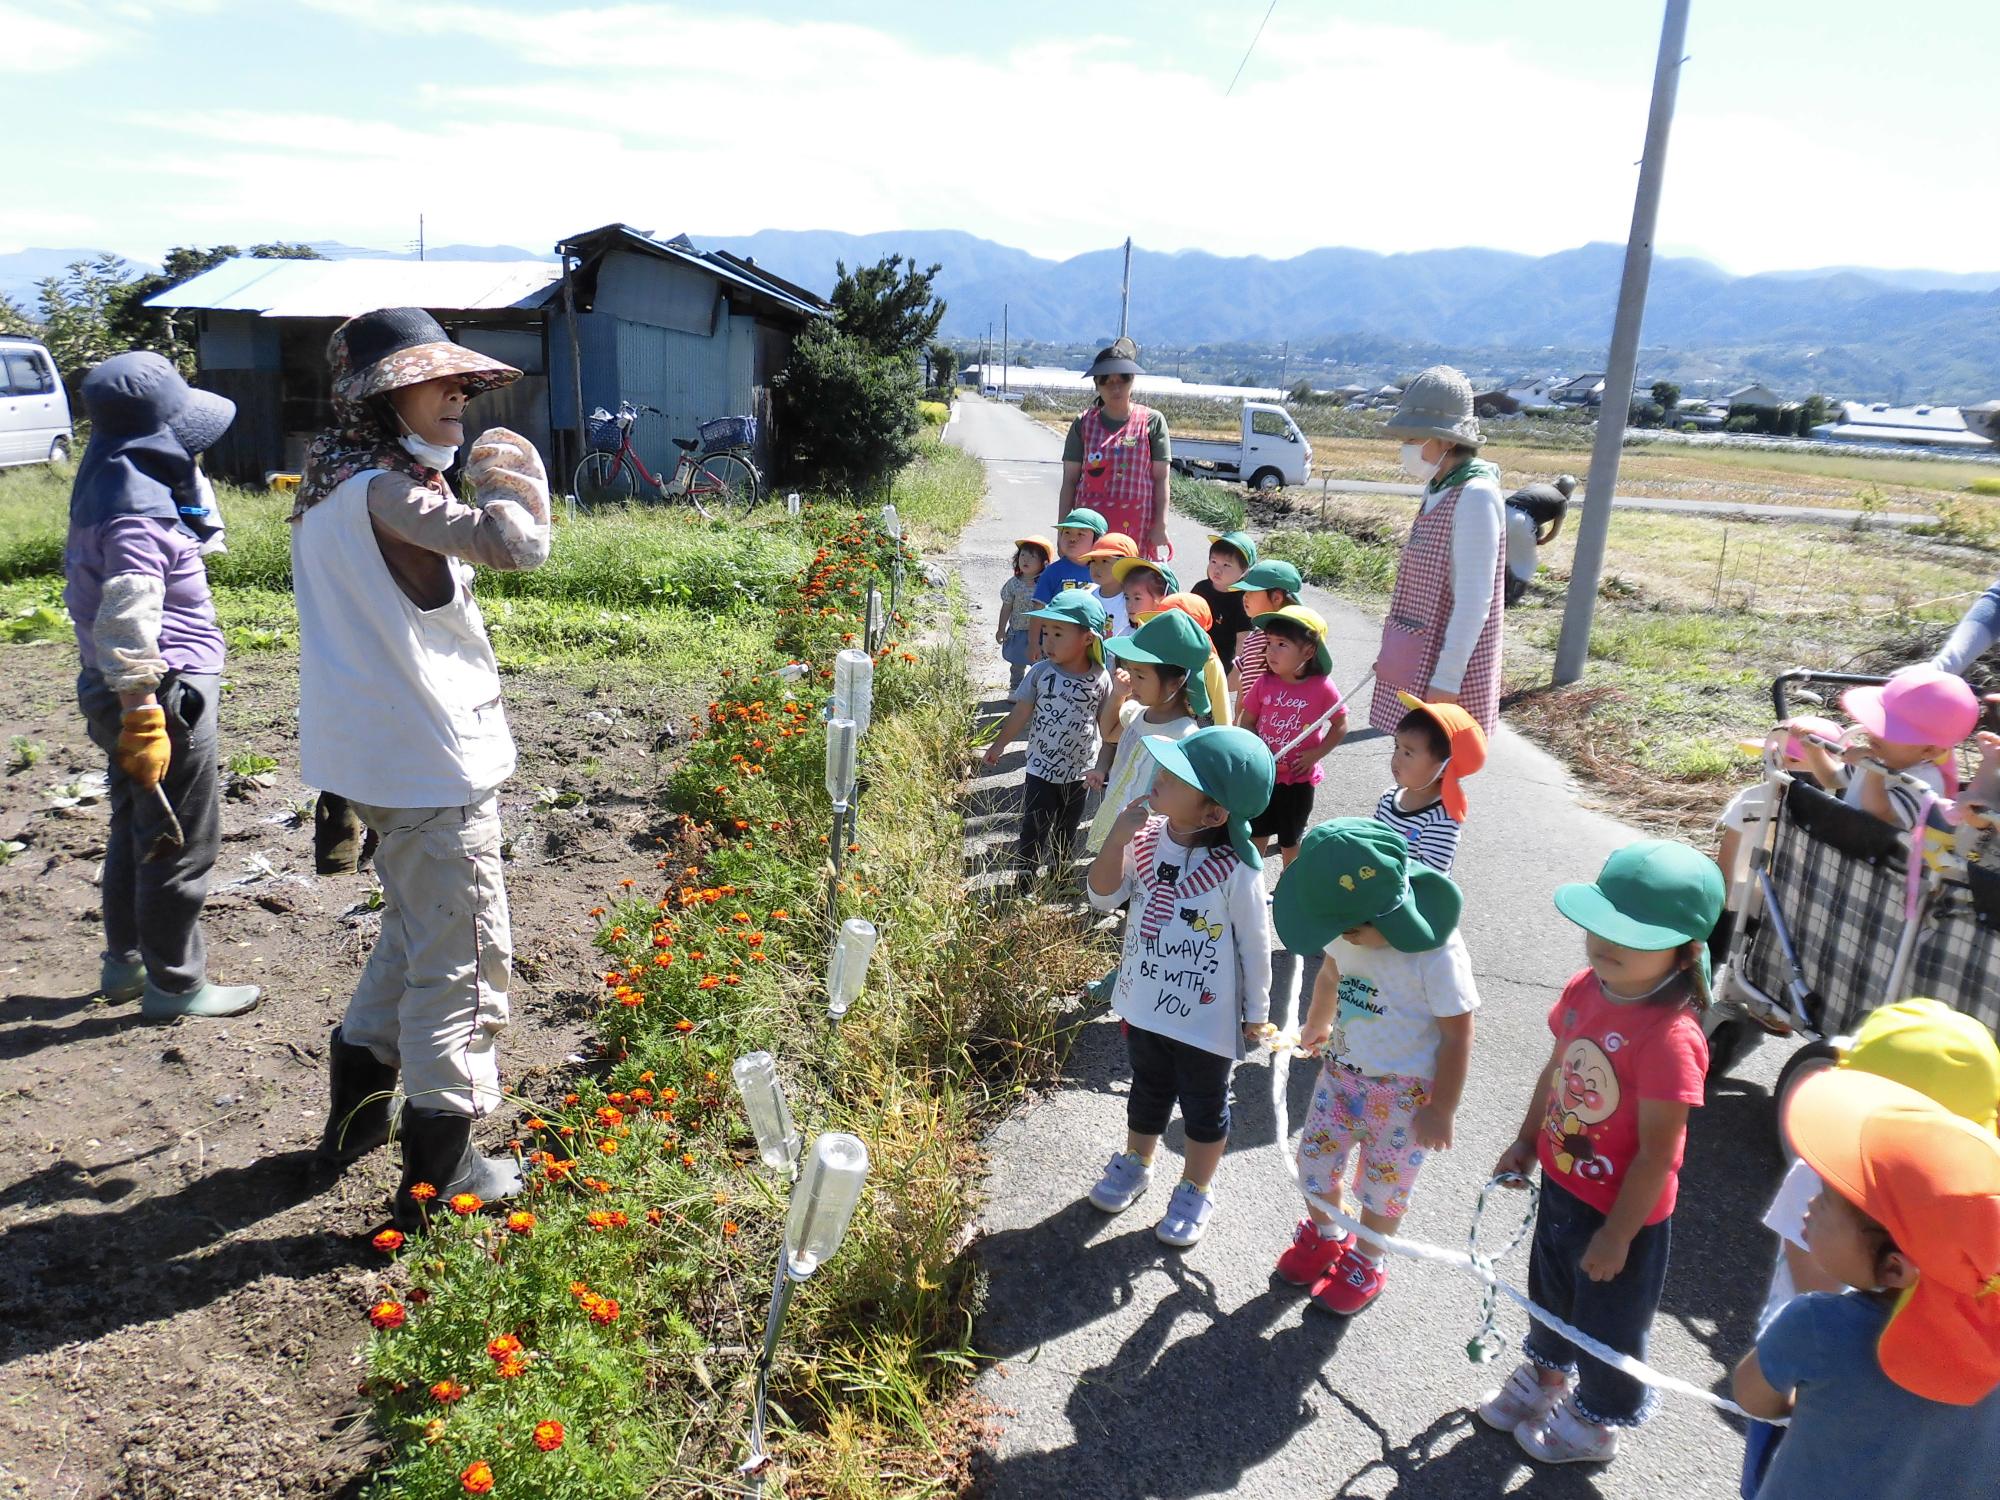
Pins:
x: 1390, y: 1003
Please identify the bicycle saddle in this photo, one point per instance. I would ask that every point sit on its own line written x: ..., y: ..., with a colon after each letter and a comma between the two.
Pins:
x: 686, y: 445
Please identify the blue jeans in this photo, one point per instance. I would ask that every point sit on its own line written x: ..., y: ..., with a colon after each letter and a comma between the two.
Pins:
x: 1617, y: 1313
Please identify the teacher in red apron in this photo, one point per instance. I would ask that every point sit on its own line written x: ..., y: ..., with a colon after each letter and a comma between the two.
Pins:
x: 1115, y: 456
x: 1441, y: 640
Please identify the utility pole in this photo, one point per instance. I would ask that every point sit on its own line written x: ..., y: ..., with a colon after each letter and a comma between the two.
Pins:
x: 986, y: 357
x: 1284, y: 364
x: 1003, y: 351
x: 1573, y: 646
x: 420, y: 236
x: 1125, y: 295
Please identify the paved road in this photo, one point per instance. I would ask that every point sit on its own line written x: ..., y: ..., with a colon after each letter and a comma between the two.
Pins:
x: 1131, y: 1370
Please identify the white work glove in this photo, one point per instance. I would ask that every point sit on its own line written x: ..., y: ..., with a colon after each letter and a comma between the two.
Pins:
x: 511, y: 485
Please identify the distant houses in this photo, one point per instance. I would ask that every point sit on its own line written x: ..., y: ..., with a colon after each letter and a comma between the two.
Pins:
x: 1902, y: 426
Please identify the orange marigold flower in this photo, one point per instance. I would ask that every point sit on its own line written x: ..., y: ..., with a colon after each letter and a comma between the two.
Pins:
x: 642, y: 1096
x: 741, y: 916
x: 597, y: 911
x: 779, y: 915
x: 617, y: 933
x: 598, y: 1219
x: 502, y: 1346
x: 729, y: 1226
x: 609, y: 1115
x: 447, y: 1391
x: 570, y: 1100
x: 684, y: 1024
x: 520, y: 1221
x: 626, y: 882
x: 605, y: 1312
x: 535, y: 1122
x: 732, y: 978
x: 654, y: 1216
x: 422, y: 1192
x: 466, y: 1203
x: 631, y: 1001
x: 548, y: 1435
x: 710, y: 981
x: 647, y: 1076
x: 477, y: 1478
x: 753, y: 939
x: 513, y: 1367
x: 608, y: 1146
x: 388, y: 1315
x: 687, y: 1160
x: 388, y: 1241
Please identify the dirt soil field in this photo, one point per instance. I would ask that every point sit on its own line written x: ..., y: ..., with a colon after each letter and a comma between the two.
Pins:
x: 182, y: 1293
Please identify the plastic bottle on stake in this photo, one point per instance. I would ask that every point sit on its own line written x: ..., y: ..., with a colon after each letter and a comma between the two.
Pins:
x: 840, y: 756
x: 847, y: 966
x: 892, y: 524
x: 874, y: 625
x: 756, y: 1075
x: 823, y: 1202
x: 853, y: 688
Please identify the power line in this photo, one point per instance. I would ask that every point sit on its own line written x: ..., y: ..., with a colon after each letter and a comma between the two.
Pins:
x: 1251, y: 48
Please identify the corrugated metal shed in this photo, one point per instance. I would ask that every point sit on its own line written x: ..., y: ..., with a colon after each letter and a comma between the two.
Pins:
x: 342, y: 288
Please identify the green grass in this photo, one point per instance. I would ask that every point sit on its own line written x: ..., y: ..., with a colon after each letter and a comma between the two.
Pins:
x: 1335, y: 559
x: 1218, y: 505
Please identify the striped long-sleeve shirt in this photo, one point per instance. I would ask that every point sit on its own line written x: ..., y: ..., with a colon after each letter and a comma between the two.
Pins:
x: 1431, y: 833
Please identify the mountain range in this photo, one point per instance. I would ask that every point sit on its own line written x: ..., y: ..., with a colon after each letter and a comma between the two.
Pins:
x: 1850, y: 331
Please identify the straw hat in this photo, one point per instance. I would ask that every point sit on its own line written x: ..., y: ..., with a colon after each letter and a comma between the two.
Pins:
x: 1437, y: 404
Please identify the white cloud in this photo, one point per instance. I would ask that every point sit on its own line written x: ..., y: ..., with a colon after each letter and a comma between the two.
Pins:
x: 39, y: 43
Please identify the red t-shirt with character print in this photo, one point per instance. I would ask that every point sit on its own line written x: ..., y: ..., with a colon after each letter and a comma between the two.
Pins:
x: 1610, y: 1057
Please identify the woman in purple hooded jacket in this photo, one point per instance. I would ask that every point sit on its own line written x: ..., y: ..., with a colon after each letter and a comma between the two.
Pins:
x: 141, y: 517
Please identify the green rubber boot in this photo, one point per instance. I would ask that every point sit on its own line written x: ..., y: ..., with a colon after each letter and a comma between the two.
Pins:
x: 211, y: 1000
x: 119, y: 981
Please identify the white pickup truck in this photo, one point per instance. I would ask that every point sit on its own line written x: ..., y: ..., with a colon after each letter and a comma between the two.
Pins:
x: 1271, y: 452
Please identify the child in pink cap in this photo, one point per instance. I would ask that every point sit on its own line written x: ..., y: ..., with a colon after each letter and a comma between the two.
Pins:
x: 1912, y: 723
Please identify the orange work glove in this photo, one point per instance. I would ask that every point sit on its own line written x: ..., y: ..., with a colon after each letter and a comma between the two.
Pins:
x: 143, y: 751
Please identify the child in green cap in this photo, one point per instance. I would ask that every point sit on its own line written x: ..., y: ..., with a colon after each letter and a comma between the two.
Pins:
x: 1608, y: 1122
x: 1230, y: 556
x: 1392, y: 1017
x: 1194, y: 985
x: 1265, y: 589
x: 1076, y: 534
x: 1156, y: 690
x: 1058, y: 703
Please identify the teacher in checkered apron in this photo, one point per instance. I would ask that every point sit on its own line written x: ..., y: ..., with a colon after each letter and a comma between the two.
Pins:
x: 1116, y: 455
x: 1441, y: 639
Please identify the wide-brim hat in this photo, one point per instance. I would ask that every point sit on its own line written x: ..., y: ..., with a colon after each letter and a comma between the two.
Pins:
x: 1111, y: 544
x: 1310, y: 620
x: 1468, y: 748
x: 1238, y: 542
x: 1354, y: 872
x: 1169, y: 639
x: 1230, y: 766
x: 1041, y: 544
x: 1932, y: 1181
x: 1650, y: 895
x: 1080, y: 607
x: 392, y: 347
x: 1119, y: 357
x: 1942, y: 1053
x: 1918, y: 706
x: 1083, y: 518
x: 1271, y: 573
x: 1437, y: 404
x: 1125, y: 567
x: 130, y: 395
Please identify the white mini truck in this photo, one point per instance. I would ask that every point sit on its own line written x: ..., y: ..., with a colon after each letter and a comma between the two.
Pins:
x: 1270, y: 452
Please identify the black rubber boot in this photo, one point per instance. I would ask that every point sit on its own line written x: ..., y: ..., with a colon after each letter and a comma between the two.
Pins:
x: 437, y: 1149
x: 357, y: 1120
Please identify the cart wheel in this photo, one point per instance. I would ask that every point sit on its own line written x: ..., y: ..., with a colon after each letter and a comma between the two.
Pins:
x: 1812, y: 1058
x: 1731, y: 1042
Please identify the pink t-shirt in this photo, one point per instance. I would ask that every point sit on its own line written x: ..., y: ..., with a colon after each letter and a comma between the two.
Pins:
x: 1612, y: 1057
x: 1283, y: 709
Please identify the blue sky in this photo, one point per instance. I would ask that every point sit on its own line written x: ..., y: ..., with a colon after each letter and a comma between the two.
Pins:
x: 1806, y: 136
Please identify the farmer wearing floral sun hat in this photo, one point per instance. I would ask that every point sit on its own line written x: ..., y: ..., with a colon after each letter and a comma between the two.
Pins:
x: 1441, y: 636
x: 1116, y: 454
x: 399, y: 712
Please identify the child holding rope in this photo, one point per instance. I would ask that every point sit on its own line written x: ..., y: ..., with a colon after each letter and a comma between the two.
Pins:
x: 1194, y: 985
x: 1392, y: 1008
x: 1608, y: 1123
x: 1286, y: 701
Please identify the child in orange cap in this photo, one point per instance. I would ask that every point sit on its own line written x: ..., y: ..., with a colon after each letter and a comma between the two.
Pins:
x: 1438, y: 745
x: 1893, y: 1387
x: 1102, y: 560
x: 1017, y: 597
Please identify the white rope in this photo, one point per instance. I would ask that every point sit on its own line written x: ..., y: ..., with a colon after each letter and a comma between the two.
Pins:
x: 1284, y: 1046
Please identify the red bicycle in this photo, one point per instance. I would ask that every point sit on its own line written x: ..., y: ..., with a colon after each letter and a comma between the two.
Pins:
x: 714, y: 475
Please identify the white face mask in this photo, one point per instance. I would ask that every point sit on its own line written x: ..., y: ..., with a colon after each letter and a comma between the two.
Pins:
x: 432, y: 455
x: 1415, y: 465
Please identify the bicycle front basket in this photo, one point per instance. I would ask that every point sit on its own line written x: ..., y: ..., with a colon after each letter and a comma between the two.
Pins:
x: 605, y: 435
x: 728, y: 432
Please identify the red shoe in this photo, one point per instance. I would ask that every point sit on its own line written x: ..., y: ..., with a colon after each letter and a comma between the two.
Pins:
x: 1310, y: 1255
x: 1351, y: 1285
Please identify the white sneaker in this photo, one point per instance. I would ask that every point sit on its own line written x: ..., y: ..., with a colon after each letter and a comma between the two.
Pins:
x: 1522, y: 1399
x: 1125, y: 1179
x: 1567, y: 1437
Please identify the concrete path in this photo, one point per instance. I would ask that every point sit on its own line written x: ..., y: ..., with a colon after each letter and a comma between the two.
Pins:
x: 1131, y: 1370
